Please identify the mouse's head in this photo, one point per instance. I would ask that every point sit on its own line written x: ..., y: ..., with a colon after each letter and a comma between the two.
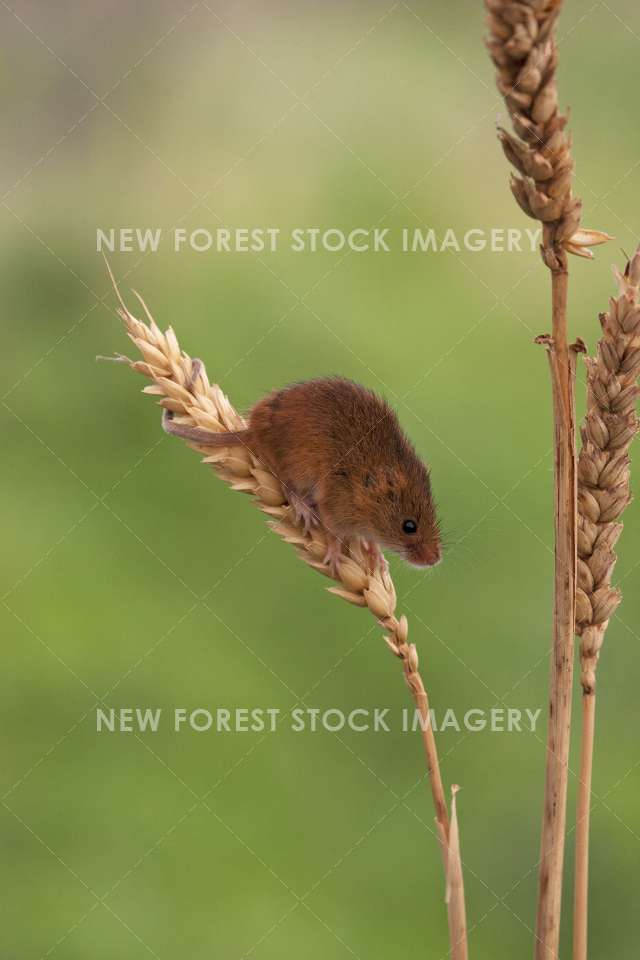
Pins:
x: 401, y: 511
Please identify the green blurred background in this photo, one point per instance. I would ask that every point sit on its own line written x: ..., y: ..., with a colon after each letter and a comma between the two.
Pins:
x: 132, y: 577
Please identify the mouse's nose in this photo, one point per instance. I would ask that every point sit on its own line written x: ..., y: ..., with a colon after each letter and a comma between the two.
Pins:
x: 432, y: 554
x: 427, y: 554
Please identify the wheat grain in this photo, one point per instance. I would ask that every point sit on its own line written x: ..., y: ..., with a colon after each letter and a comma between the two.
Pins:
x: 603, y: 465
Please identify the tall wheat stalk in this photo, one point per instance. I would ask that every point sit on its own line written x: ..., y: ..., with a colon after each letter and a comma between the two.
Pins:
x: 182, y: 387
x: 523, y: 48
x: 603, y: 493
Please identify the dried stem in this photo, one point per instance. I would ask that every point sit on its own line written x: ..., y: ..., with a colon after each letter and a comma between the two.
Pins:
x: 583, y: 811
x: 603, y: 493
x: 523, y: 48
x: 561, y: 673
x: 448, y: 833
x: 397, y: 643
x: 181, y: 386
x: 455, y: 890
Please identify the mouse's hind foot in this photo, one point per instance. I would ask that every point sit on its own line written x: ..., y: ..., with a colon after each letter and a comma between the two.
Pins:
x: 333, y: 555
x: 305, y: 512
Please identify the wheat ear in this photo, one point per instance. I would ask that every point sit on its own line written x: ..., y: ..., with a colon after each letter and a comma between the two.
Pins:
x: 523, y: 48
x: 603, y: 493
x: 182, y: 387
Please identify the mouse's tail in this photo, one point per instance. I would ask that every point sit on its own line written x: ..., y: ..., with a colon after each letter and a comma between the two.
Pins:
x: 206, y: 438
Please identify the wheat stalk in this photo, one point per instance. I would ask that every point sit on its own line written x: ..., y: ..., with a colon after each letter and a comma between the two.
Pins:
x: 603, y: 493
x: 183, y: 388
x: 523, y: 48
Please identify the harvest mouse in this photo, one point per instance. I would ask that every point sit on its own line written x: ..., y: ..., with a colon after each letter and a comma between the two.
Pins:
x: 345, y: 463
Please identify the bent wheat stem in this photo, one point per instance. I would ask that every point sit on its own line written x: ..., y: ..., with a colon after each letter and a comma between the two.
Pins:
x: 181, y: 386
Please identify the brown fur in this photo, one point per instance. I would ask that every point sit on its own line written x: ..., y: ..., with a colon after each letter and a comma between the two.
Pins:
x: 339, y: 449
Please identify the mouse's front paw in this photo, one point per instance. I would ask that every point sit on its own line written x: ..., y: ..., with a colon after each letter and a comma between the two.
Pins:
x: 374, y: 555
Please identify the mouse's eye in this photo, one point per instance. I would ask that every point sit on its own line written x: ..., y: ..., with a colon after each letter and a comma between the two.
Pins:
x: 409, y: 526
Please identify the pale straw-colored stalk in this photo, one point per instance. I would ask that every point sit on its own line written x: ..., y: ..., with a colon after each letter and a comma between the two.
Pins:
x: 609, y: 427
x: 523, y: 48
x: 181, y: 386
